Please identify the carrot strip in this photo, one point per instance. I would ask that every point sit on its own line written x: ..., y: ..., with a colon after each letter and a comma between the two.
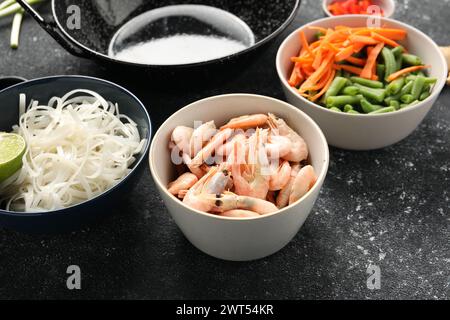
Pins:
x: 356, y: 61
x: 344, y: 54
x: 304, y: 42
x: 402, y: 72
x: 351, y: 69
x: 323, y: 30
x: 387, y: 41
x: 393, y: 34
x: 370, y: 67
x: 325, y: 88
x: 363, y: 39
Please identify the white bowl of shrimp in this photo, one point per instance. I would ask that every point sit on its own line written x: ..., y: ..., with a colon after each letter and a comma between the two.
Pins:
x: 242, y: 183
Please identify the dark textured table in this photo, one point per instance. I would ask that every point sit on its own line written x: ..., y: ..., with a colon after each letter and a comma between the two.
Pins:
x: 389, y: 208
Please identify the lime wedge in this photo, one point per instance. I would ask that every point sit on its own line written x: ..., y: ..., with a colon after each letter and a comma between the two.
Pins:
x: 12, y: 148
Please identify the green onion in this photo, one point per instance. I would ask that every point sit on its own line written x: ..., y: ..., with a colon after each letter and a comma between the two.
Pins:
x: 15, y: 30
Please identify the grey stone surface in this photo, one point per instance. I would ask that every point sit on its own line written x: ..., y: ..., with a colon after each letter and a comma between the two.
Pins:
x: 388, y: 207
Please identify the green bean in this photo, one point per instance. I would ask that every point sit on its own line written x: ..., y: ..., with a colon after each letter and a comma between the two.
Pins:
x: 381, y: 68
x: 407, y: 88
x: 424, y: 95
x: 335, y: 109
x: 367, y: 107
x: 417, y: 88
x: 397, y: 51
x: 398, y: 64
x: 389, y: 61
x: 340, y: 101
x: 407, y: 98
x: 336, y: 86
x: 395, y: 104
x: 384, y: 110
x: 348, y: 107
x: 427, y: 80
x: 353, y: 112
x: 406, y: 105
x: 395, y: 86
x: 350, y: 91
x: 377, y: 95
x: 411, y: 59
x: 367, y: 83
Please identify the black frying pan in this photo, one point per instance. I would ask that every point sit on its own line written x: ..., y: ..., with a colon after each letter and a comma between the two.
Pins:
x: 101, y: 19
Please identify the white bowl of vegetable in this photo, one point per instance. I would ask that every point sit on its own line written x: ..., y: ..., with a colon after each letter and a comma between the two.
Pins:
x: 363, y: 99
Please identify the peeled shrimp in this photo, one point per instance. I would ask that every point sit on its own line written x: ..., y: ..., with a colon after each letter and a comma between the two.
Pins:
x: 281, y: 177
x: 299, y: 149
x: 304, y: 181
x: 184, y: 182
x: 283, y: 197
x: 244, y: 122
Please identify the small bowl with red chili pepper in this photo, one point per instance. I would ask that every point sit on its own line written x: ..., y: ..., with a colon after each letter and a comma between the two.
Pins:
x: 384, y: 8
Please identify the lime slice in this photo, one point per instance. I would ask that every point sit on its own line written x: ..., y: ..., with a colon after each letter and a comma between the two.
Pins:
x: 12, y: 148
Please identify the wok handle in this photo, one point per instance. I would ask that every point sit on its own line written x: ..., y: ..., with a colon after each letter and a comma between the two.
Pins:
x: 55, y: 32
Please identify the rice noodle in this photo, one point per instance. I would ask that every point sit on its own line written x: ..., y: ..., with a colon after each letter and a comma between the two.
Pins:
x: 78, y: 147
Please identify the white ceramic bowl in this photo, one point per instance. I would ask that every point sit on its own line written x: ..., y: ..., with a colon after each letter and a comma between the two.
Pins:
x: 229, y: 238
x: 364, y: 132
x: 388, y: 6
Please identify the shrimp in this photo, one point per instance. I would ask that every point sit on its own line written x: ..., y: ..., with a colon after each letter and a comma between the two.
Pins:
x: 227, y: 149
x: 283, y: 197
x: 281, y: 177
x: 211, y: 147
x: 230, y: 201
x: 239, y: 214
x: 197, y: 170
x: 277, y: 146
x: 213, y: 183
x: 249, y: 121
x: 184, y: 182
x: 299, y: 149
x: 201, y: 136
x: 181, y: 137
x: 304, y: 182
x: 250, y: 181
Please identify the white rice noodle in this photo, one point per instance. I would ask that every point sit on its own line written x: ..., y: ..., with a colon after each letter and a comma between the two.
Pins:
x: 78, y: 147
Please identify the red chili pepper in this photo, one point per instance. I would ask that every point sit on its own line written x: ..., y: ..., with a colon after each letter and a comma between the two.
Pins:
x: 340, y: 7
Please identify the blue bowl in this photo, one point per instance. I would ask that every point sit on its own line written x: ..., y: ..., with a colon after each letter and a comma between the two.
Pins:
x: 84, y: 214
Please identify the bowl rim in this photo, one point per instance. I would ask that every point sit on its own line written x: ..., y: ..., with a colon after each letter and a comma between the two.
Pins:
x: 328, y: 13
x: 320, y: 179
x: 110, y: 190
x: 436, y: 90
x: 106, y: 57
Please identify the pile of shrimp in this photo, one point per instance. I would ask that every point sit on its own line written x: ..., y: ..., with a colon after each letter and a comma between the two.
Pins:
x: 252, y: 166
